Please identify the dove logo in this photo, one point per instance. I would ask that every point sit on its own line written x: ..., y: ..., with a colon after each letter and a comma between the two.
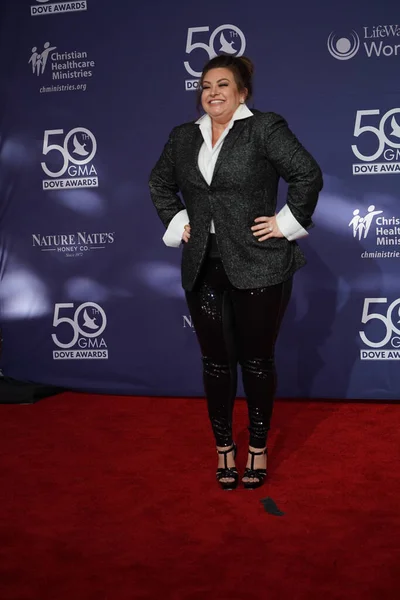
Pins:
x: 395, y: 128
x: 380, y: 343
x: 79, y: 337
x: 79, y: 148
x: 225, y: 39
x: 343, y: 48
x: 88, y: 322
x: 226, y: 47
x: 57, y: 7
x: 385, y: 157
x: 77, y: 152
x: 228, y: 39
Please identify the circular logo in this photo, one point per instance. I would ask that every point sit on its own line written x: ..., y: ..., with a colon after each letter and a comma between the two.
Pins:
x: 81, y: 145
x: 90, y: 319
x: 227, y: 39
x: 390, y: 127
x: 343, y: 48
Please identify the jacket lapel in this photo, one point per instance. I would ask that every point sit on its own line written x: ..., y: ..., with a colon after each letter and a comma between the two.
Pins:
x: 229, y: 142
x: 196, y: 144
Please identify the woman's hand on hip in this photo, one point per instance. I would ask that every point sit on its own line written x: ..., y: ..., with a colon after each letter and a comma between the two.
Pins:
x: 266, y: 228
x: 186, y: 233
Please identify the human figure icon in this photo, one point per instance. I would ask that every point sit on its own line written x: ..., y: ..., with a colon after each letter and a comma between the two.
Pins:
x: 355, y: 220
x: 362, y: 225
x: 369, y: 218
x: 39, y: 61
x: 34, y: 58
x: 45, y: 54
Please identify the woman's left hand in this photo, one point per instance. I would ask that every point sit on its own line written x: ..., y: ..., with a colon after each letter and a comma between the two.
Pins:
x: 266, y: 228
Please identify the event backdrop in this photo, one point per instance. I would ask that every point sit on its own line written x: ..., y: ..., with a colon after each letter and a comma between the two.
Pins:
x: 90, y: 298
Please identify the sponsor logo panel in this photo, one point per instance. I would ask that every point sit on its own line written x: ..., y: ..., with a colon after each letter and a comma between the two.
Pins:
x: 378, y: 232
x: 225, y: 39
x: 73, y: 245
x: 378, y: 142
x: 80, y: 331
x: 380, y: 334
x: 61, y: 70
x: 374, y: 41
x: 69, y: 164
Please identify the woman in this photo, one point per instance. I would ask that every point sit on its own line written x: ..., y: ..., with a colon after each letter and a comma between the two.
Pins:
x: 239, y: 256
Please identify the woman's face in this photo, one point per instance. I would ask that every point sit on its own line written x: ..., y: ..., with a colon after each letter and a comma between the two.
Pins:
x: 220, y: 96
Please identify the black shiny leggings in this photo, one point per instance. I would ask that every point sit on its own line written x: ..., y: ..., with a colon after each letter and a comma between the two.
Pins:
x: 237, y: 326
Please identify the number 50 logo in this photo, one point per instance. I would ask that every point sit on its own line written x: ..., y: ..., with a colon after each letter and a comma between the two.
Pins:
x: 391, y: 332
x: 380, y: 134
x: 90, y: 324
x: 231, y: 40
x: 79, y: 148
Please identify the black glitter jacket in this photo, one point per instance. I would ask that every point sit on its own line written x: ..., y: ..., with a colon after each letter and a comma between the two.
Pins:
x: 255, y: 154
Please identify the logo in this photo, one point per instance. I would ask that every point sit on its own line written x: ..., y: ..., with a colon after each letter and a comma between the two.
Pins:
x: 380, y: 232
x: 361, y: 225
x: 383, y: 339
x: 57, y: 7
x: 379, y: 41
x: 79, y: 337
x: 72, y: 245
x: 225, y: 39
x: 379, y: 152
x: 72, y: 159
x: 343, y: 48
x: 57, y: 67
x: 39, y: 60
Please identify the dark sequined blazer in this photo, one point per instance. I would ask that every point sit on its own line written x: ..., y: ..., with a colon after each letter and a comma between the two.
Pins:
x: 255, y: 154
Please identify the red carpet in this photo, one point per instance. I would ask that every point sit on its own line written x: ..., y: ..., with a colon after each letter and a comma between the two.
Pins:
x: 113, y: 498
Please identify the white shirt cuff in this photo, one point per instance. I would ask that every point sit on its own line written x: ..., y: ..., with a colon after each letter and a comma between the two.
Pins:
x: 173, y: 236
x: 289, y: 226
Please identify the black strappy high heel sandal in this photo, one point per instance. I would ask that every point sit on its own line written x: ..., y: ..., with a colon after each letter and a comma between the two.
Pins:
x: 251, y: 473
x: 228, y: 472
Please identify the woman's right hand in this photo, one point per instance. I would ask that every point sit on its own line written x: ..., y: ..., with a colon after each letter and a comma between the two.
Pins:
x: 186, y: 233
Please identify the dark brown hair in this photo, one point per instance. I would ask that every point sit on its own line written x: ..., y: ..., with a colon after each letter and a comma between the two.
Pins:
x: 241, y: 67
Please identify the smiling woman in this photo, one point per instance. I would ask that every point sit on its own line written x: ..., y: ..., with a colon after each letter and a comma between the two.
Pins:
x: 234, y: 85
x: 239, y: 256
x: 220, y: 97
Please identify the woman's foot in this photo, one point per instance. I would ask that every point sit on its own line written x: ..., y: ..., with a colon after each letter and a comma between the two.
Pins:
x: 227, y: 475
x: 256, y: 468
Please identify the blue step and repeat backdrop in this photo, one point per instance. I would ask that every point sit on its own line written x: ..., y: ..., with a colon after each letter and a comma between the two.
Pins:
x: 90, y: 298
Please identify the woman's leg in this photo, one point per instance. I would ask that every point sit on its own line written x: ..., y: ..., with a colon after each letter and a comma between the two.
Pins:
x: 258, y: 315
x: 210, y: 308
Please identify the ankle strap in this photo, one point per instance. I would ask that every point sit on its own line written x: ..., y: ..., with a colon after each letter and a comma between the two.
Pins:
x: 230, y: 449
x: 263, y: 451
x: 226, y: 452
x: 253, y: 454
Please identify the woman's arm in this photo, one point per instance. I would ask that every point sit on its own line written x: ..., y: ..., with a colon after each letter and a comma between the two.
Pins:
x: 164, y: 194
x: 299, y: 169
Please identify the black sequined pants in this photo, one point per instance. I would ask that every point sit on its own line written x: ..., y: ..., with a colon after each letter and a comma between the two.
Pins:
x: 237, y: 326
